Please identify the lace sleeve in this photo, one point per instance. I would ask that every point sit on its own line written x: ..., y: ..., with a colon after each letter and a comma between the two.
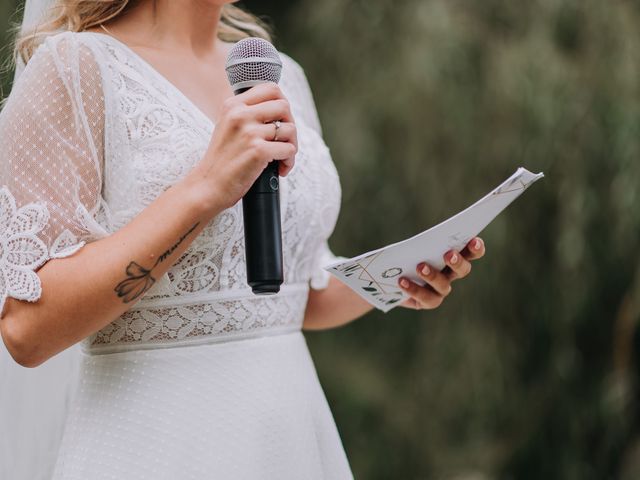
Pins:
x: 304, y: 110
x: 51, y: 158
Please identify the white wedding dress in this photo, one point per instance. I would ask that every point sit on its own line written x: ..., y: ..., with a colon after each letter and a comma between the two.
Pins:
x: 200, y: 378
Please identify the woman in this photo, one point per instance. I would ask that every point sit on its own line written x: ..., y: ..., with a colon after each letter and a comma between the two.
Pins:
x: 123, y: 197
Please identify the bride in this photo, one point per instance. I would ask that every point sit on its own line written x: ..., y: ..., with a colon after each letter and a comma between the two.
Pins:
x: 123, y: 159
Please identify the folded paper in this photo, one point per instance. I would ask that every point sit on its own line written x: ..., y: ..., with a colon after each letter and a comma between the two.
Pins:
x: 374, y: 275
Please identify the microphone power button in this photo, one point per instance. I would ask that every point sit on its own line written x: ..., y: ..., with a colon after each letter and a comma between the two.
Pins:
x: 273, y: 183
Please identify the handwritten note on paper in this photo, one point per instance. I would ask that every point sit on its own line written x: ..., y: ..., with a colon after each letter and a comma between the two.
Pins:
x: 374, y: 275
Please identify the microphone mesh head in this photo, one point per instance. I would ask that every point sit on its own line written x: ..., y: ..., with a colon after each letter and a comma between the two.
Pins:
x: 253, y: 60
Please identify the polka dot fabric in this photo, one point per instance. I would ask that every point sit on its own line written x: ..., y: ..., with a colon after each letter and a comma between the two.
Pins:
x: 250, y: 409
x: 51, y: 151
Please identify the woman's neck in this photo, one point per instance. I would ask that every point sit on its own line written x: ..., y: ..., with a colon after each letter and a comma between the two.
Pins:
x: 186, y: 26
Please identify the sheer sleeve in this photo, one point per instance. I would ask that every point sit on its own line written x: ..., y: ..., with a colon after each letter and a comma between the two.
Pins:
x: 51, y: 160
x: 305, y: 110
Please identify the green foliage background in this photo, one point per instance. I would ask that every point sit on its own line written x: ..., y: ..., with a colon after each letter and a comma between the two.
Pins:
x: 530, y: 369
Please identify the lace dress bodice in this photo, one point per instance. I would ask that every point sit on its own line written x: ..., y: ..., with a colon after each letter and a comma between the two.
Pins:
x: 92, y: 134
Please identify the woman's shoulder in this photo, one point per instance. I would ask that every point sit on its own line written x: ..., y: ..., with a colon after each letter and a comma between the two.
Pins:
x: 64, y: 41
x: 293, y: 77
x: 288, y: 61
x: 291, y: 68
x: 296, y: 85
x: 56, y: 54
x: 63, y: 53
x: 63, y: 65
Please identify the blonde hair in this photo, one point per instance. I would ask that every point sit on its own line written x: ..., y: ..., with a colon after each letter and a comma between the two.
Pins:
x: 79, y: 15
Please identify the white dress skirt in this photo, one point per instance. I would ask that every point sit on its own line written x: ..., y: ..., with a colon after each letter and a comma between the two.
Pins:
x: 199, y: 379
x: 243, y: 409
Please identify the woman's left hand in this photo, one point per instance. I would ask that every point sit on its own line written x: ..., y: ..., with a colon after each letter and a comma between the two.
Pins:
x: 439, y: 283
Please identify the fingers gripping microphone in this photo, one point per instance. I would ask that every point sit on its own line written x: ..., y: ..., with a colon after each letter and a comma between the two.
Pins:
x: 253, y: 61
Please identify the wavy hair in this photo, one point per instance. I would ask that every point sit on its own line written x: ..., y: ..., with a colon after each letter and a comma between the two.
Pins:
x: 79, y: 15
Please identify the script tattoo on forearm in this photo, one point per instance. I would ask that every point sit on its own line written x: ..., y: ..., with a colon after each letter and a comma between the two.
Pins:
x: 139, y: 279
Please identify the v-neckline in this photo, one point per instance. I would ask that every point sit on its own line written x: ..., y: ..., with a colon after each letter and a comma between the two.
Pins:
x: 168, y: 83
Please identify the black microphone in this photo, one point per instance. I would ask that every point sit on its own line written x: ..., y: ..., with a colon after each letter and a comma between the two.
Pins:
x: 252, y: 61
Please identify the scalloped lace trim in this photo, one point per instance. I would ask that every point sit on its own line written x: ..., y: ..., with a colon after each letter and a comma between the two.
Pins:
x: 22, y: 251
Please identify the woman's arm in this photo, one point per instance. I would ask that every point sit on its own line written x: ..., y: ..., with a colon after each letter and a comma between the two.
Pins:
x: 86, y: 291
x: 333, y: 306
x: 338, y: 304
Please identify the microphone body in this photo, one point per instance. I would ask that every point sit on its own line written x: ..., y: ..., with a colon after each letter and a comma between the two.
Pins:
x: 253, y: 61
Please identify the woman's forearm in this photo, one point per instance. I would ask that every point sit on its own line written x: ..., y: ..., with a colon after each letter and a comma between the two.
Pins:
x: 333, y: 306
x: 88, y: 290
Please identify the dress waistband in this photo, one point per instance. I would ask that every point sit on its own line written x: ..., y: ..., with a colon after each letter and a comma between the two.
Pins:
x: 209, y: 318
x: 217, y: 296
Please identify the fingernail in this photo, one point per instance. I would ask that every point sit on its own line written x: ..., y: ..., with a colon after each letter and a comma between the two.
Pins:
x: 404, y: 283
x: 477, y: 244
x: 454, y: 258
x: 426, y: 270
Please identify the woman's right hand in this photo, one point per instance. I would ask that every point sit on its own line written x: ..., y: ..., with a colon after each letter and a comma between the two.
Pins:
x: 242, y: 145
